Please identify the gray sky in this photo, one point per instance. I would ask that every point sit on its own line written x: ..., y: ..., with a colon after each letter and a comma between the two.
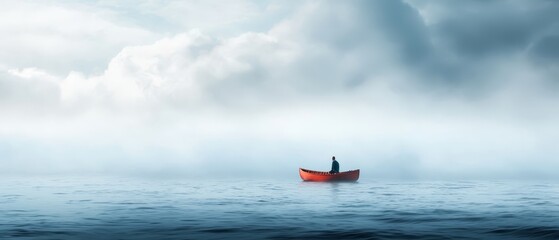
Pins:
x: 399, y: 89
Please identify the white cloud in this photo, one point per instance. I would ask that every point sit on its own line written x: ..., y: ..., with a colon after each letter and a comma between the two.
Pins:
x: 29, y: 73
x: 62, y: 37
x: 188, y: 69
x: 28, y: 90
x: 310, y: 87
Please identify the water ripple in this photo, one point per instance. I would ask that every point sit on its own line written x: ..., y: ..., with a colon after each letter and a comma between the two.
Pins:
x: 131, y: 209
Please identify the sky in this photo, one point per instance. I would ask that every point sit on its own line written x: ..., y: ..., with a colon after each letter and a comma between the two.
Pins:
x: 406, y: 89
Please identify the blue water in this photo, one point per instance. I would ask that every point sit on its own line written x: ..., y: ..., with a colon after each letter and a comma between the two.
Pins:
x: 130, y: 208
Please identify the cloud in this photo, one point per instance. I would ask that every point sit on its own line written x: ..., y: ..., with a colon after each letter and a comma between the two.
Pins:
x: 396, y: 88
x: 28, y: 89
x: 187, y: 69
x: 481, y: 29
x: 62, y: 38
x: 546, y: 49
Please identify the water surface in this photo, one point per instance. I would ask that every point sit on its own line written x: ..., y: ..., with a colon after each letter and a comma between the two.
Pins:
x: 129, y: 208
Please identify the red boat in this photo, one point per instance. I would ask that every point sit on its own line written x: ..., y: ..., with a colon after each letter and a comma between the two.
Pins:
x: 317, y: 176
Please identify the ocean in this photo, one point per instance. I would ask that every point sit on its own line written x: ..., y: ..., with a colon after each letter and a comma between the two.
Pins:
x: 136, y: 208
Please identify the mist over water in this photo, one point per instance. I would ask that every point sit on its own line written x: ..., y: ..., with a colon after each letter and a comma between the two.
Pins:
x: 132, y: 208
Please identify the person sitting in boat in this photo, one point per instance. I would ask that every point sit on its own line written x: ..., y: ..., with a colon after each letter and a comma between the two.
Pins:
x: 335, y: 165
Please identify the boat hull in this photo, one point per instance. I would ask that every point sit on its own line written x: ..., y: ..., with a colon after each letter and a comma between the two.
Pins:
x: 317, y: 176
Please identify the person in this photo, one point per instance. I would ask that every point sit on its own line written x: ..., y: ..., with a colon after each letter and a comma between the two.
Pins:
x: 335, y: 166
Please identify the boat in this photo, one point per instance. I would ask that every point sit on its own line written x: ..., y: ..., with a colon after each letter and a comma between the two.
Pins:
x: 317, y: 176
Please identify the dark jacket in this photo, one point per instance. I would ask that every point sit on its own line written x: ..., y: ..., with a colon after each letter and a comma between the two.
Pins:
x: 335, y: 167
